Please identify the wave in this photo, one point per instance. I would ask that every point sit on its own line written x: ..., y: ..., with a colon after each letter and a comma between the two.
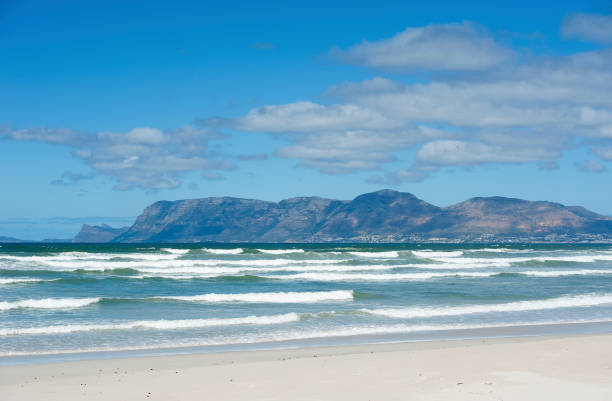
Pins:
x: 176, y: 251
x: 502, y: 262
x: 292, y: 335
x: 343, y: 273
x: 432, y: 254
x: 572, y: 301
x: 107, y: 265
x: 49, y: 303
x: 80, y: 256
x: 501, y: 250
x: 290, y: 268
x: 561, y: 273
x: 154, y: 324
x: 280, y: 251
x: 235, y: 251
x: 377, y: 277
x: 269, y: 297
x: 22, y: 280
x: 389, y: 254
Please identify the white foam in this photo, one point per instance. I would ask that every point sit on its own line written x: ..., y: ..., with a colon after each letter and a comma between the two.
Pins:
x: 502, y: 250
x: 235, y: 251
x: 378, y: 277
x: 49, y: 303
x: 269, y: 297
x: 441, y: 254
x: 108, y: 265
x: 290, y: 268
x: 388, y: 254
x: 298, y: 335
x: 280, y: 251
x: 80, y: 256
x: 504, y: 261
x: 154, y: 324
x: 572, y: 301
x: 176, y: 251
x: 21, y: 280
x: 561, y: 273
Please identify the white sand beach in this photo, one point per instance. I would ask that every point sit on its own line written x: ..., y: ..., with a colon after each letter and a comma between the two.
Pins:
x: 534, y: 368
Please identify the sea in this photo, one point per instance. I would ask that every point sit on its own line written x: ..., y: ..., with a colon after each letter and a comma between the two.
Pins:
x: 67, y: 301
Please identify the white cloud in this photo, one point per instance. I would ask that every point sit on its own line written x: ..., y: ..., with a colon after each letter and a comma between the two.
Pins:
x: 465, y: 153
x: 447, y: 47
x: 308, y: 116
x: 604, y: 152
x: 589, y: 27
x: 511, y: 112
x: 523, y: 112
x: 143, y: 157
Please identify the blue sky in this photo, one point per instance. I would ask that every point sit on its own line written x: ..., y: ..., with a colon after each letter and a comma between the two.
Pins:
x: 108, y: 106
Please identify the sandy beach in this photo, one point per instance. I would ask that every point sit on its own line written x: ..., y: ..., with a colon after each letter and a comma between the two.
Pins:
x: 536, y: 368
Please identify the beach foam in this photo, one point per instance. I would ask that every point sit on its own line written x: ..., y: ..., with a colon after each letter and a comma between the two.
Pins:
x: 176, y: 251
x: 432, y: 254
x: 572, y: 301
x: 154, y: 324
x: 20, y: 280
x: 280, y: 251
x: 49, y: 303
x: 235, y: 251
x: 378, y: 277
x: 389, y: 254
x: 269, y: 297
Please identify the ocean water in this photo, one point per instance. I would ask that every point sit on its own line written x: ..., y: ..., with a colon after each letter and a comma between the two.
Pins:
x: 62, y: 299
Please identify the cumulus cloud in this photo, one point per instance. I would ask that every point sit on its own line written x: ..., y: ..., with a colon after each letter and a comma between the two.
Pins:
x: 588, y: 27
x: 514, y: 110
x: 461, y: 153
x: 309, y: 116
x: 143, y: 157
x: 446, y: 47
x: 511, y: 113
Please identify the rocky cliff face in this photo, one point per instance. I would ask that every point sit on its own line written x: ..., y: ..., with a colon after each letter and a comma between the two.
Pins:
x: 381, y: 216
x: 103, y: 233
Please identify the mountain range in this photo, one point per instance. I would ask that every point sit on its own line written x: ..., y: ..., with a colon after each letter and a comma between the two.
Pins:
x: 382, y: 216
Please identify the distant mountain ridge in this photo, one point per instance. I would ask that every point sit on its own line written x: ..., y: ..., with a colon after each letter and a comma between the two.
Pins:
x: 101, y: 233
x: 382, y: 216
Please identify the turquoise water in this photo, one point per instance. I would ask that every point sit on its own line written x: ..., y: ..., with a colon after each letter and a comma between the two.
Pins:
x: 79, y: 298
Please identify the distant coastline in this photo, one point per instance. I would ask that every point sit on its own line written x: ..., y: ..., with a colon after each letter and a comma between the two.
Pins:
x: 384, y: 216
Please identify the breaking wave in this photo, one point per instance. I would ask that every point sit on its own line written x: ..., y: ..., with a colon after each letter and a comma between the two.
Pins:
x: 235, y: 251
x: 49, y: 303
x: 154, y: 324
x: 280, y: 251
x: 572, y: 301
x: 389, y: 254
x: 432, y: 254
x: 378, y: 277
x: 269, y: 297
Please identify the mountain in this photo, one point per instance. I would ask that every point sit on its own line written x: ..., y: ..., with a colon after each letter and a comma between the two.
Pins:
x: 383, y: 216
x: 10, y: 240
x: 102, y: 233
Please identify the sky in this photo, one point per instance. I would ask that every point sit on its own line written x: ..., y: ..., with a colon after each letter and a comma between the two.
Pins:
x: 108, y: 106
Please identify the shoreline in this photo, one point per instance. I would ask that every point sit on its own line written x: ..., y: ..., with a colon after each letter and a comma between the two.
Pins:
x: 560, y: 367
x: 530, y: 330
